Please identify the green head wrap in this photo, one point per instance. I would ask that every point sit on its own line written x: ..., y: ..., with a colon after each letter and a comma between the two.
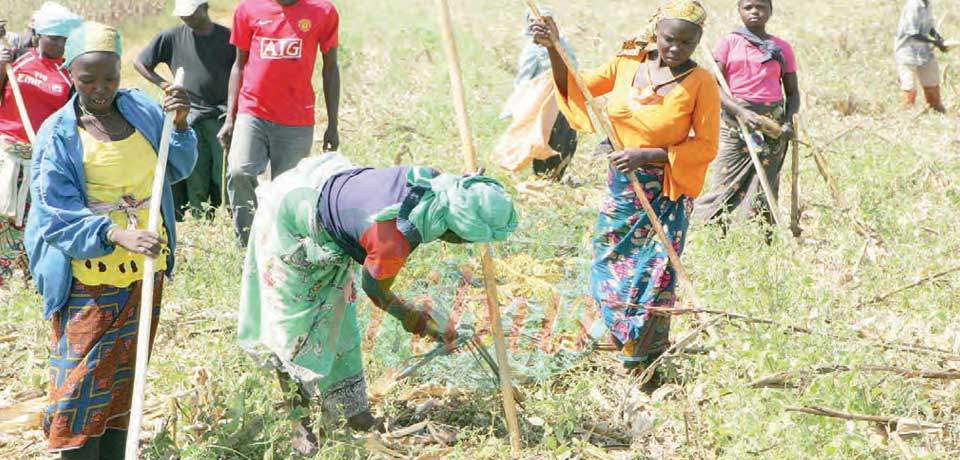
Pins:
x: 91, y: 37
x: 476, y: 208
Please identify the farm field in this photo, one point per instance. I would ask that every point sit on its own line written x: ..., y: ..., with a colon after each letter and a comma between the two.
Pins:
x: 820, y: 322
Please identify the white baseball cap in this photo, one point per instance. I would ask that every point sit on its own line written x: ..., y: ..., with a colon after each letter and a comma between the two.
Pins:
x: 187, y: 7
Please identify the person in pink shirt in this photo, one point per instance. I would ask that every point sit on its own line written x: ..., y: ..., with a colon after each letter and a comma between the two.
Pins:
x: 761, y: 70
x: 270, y: 100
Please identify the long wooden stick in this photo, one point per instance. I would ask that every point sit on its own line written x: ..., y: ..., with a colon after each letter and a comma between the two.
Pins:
x: 146, y: 288
x: 223, y: 179
x: 918, y: 349
x: 835, y: 193
x: 926, y: 279
x: 887, y: 420
x: 795, y: 180
x: 785, y: 379
x: 486, y: 255
x: 751, y: 148
x: 27, y: 126
x: 838, y: 198
x: 647, y: 373
x: 607, y: 129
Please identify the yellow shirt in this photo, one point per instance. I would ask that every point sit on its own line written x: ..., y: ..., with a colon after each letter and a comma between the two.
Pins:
x: 118, y: 170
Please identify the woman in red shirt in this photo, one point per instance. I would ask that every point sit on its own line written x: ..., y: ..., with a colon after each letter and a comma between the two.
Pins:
x: 45, y: 88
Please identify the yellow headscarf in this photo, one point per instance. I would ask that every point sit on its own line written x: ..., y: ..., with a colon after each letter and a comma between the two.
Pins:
x: 686, y: 10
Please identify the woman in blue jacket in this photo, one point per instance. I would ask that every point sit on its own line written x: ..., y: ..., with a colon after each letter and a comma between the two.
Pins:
x: 92, y: 182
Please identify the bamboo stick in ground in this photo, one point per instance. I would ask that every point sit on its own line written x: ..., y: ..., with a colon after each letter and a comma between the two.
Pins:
x: 607, y: 129
x: 223, y: 180
x: 486, y: 255
x: 147, y: 287
x: 795, y: 180
x: 835, y: 192
x: 838, y: 198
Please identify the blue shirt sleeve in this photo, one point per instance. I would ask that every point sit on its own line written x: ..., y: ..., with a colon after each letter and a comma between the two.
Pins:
x: 183, y: 155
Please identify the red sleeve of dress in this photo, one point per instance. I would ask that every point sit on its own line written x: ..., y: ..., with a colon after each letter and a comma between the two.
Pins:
x: 387, y: 250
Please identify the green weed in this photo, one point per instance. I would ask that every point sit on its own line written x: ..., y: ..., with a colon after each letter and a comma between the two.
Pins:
x: 899, y: 171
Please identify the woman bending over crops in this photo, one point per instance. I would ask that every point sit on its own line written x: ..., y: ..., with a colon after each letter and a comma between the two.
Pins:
x: 45, y: 88
x: 297, y: 306
x: 655, y: 97
x: 93, y: 169
x: 762, y: 74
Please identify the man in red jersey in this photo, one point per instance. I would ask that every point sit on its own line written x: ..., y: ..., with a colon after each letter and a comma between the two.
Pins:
x: 270, y: 105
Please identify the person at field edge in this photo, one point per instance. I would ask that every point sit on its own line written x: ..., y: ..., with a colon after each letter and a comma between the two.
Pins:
x: 314, y: 224
x: 655, y: 97
x: 270, y: 105
x: 92, y: 180
x: 202, y: 48
x: 45, y: 88
x: 913, y: 52
x: 533, y: 89
x: 13, y: 39
x: 20, y: 43
x: 761, y: 71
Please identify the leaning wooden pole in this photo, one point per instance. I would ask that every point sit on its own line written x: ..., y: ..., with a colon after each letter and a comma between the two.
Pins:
x: 822, y: 168
x: 607, y: 129
x: 795, y: 180
x: 486, y: 256
x: 147, y: 287
x: 223, y: 180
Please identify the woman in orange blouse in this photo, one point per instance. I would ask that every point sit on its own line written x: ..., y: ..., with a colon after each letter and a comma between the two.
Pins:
x: 665, y: 110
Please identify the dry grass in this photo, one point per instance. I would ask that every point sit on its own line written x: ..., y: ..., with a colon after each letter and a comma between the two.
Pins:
x: 106, y: 11
x: 899, y: 170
